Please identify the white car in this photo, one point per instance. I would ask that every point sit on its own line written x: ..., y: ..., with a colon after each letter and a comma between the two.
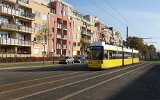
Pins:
x: 67, y: 60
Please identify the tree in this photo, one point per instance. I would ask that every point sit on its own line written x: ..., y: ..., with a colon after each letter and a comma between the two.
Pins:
x: 42, y: 34
x: 137, y: 43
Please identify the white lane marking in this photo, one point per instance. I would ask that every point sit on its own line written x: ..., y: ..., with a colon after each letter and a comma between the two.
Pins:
x: 53, y: 81
x: 26, y: 96
x: 38, y: 79
x: 45, y: 83
x: 93, y: 86
x: 41, y: 78
x: 8, y: 68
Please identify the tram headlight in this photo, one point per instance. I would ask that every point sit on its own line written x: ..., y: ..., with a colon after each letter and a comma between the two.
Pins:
x: 90, y: 61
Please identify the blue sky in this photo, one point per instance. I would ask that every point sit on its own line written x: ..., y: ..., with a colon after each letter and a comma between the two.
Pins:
x: 143, y: 16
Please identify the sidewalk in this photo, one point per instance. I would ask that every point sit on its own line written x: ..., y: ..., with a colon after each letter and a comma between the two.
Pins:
x: 27, y: 64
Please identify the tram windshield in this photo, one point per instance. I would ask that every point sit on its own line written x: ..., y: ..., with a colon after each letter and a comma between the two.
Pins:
x: 96, y: 53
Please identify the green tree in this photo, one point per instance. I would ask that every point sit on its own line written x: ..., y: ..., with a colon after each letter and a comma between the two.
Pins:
x: 137, y: 43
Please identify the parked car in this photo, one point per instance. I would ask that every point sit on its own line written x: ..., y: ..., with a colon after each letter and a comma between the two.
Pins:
x: 67, y: 60
x: 80, y: 59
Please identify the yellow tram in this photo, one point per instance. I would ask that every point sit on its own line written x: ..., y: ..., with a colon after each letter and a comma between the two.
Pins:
x: 104, y: 56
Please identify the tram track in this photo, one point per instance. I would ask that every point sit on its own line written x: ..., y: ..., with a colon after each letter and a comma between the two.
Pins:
x: 58, y: 83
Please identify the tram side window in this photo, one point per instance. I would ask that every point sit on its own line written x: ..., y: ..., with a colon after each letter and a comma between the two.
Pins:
x: 105, y: 54
x: 135, y: 55
x: 127, y: 55
x: 119, y: 55
x: 112, y: 54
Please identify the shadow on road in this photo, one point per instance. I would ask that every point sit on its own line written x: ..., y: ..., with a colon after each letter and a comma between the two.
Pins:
x: 74, y: 67
x: 146, y: 87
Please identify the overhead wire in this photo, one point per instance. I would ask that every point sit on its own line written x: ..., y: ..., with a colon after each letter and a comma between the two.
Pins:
x: 94, y: 15
x: 137, y: 30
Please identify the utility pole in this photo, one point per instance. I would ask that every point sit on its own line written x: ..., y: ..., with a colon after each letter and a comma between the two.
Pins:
x: 127, y: 39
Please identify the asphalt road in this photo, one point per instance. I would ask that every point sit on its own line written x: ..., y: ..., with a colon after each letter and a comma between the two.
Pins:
x: 75, y: 82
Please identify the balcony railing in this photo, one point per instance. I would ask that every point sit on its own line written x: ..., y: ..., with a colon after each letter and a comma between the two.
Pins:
x: 17, y: 13
x: 59, y: 26
x: 64, y: 27
x: 26, y: 29
x: 86, y: 33
x: 9, y: 27
x: 86, y: 40
x: 64, y: 37
x: 59, y: 46
x: 11, y: 41
x: 15, y: 27
x: 64, y: 46
x: 14, y: 55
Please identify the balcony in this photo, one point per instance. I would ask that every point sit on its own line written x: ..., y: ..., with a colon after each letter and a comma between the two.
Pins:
x: 11, y: 27
x: 17, y: 42
x: 14, y: 55
x: 16, y: 13
x: 26, y: 29
x: 64, y: 27
x: 14, y: 27
x: 59, y: 46
x: 64, y: 37
x: 59, y: 26
x: 86, y: 33
x: 64, y: 46
x: 85, y: 40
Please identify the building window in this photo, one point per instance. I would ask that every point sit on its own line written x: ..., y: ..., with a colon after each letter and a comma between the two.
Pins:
x: 70, y: 25
x: 75, y: 27
x: 74, y: 43
x: 52, y: 29
x: 52, y: 18
x: 37, y: 14
x: 53, y: 11
x: 44, y: 16
x: 78, y: 36
x: 78, y: 28
x: 4, y: 20
x: 24, y: 1
x: 69, y: 18
x: 74, y: 36
x: 4, y: 34
x: 79, y: 44
x: 37, y: 26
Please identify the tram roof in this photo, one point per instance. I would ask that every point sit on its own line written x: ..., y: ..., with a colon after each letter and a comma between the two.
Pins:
x: 112, y: 47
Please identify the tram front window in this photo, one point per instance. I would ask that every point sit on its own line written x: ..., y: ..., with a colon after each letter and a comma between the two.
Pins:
x: 96, y: 54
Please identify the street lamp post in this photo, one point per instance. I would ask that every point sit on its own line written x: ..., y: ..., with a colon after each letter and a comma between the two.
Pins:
x: 44, y: 52
x: 53, y: 51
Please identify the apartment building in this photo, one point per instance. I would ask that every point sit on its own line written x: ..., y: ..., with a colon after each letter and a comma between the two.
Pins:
x: 37, y: 28
x: 93, y: 27
x: 108, y: 34
x: 77, y: 26
x: 16, y: 29
x: 41, y: 36
x: 61, y: 27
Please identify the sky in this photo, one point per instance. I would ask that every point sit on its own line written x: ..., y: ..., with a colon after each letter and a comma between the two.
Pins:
x: 141, y: 16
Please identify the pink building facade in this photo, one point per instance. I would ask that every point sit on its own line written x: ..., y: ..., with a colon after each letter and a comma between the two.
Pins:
x: 60, y: 39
